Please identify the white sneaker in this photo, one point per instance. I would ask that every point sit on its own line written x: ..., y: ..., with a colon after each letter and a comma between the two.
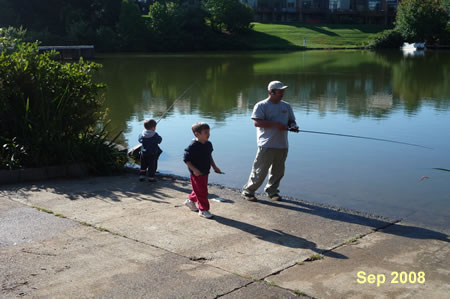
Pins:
x: 205, y: 214
x: 191, y: 205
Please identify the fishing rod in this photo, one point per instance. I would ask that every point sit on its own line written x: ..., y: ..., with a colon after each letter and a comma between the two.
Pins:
x: 135, y: 150
x: 355, y: 136
x: 170, y: 107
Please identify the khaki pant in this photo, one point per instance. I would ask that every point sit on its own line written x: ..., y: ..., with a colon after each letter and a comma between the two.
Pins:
x: 273, y: 158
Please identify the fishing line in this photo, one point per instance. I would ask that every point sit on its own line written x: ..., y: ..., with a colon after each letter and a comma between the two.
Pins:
x: 170, y: 107
x: 135, y: 150
x: 361, y: 137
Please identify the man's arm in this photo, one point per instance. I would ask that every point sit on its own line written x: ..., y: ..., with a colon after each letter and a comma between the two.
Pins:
x: 291, y: 123
x: 269, y: 124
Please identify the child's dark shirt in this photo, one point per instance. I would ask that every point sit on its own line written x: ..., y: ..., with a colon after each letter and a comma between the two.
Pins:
x: 199, y: 154
x: 150, y: 140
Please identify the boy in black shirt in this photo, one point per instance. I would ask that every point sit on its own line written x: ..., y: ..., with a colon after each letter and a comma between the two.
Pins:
x: 198, y: 158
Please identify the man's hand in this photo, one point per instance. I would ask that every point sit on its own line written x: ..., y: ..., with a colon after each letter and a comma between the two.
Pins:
x: 217, y: 170
x: 197, y: 172
x: 294, y: 128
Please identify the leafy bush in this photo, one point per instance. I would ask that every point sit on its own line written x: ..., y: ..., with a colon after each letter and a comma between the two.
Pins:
x: 49, y: 110
x: 421, y: 20
x: 10, y: 153
x: 102, y: 157
x: 10, y: 36
x: 387, y: 39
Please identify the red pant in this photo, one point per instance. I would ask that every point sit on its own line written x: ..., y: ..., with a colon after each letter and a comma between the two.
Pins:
x: 200, y: 191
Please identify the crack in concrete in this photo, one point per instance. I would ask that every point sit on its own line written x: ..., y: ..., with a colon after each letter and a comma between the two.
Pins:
x: 38, y: 253
x: 235, y: 289
x: 14, y: 286
x: 324, y: 251
x: 199, y: 259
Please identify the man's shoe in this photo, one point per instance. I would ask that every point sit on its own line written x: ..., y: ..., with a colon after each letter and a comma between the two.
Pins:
x: 151, y: 179
x: 205, y: 214
x: 249, y: 197
x: 141, y: 178
x: 191, y: 205
x: 275, y: 197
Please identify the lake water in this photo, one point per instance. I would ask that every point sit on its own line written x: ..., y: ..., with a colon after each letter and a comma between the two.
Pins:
x: 383, y: 95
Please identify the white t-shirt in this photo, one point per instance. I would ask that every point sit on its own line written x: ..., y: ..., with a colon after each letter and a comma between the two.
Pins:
x: 282, y: 113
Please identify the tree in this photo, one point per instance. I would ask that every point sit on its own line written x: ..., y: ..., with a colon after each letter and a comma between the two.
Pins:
x: 101, y: 12
x: 446, y: 5
x: 228, y: 14
x: 8, y: 16
x: 421, y: 20
x: 131, y: 27
x: 239, y: 18
x: 165, y: 19
x: 38, y: 15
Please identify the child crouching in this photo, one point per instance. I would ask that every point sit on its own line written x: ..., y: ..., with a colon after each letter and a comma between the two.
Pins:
x: 150, y: 150
x: 198, y: 158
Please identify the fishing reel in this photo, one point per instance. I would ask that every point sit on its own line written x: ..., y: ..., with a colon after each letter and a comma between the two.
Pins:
x: 294, y: 128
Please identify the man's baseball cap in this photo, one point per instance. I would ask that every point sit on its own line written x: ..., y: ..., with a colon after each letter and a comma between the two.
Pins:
x: 276, y: 85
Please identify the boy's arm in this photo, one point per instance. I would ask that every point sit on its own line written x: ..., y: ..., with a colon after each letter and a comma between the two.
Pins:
x: 214, y: 166
x: 158, y: 138
x: 193, y: 168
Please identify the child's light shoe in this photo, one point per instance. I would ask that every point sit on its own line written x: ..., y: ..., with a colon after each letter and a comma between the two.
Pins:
x: 191, y: 205
x: 205, y: 214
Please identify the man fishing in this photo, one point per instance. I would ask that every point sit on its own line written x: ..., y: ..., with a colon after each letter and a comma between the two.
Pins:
x: 272, y: 118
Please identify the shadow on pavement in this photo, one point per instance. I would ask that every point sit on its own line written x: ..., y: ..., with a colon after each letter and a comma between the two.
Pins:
x: 130, y: 187
x: 113, y: 192
x: 408, y: 231
x: 276, y: 236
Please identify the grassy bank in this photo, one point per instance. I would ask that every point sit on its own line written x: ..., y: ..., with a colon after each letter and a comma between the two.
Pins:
x: 322, y: 36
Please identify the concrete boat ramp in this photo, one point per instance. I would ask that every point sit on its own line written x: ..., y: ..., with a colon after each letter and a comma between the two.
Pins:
x: 116, y: 237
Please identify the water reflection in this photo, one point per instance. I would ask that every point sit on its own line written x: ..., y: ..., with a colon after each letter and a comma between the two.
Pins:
x: 355, y: 83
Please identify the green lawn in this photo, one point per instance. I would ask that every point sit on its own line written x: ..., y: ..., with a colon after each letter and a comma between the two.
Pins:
x: 291, y: 36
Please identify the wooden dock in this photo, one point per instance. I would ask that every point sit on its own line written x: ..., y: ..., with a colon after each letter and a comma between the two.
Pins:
x: 71, y: 52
